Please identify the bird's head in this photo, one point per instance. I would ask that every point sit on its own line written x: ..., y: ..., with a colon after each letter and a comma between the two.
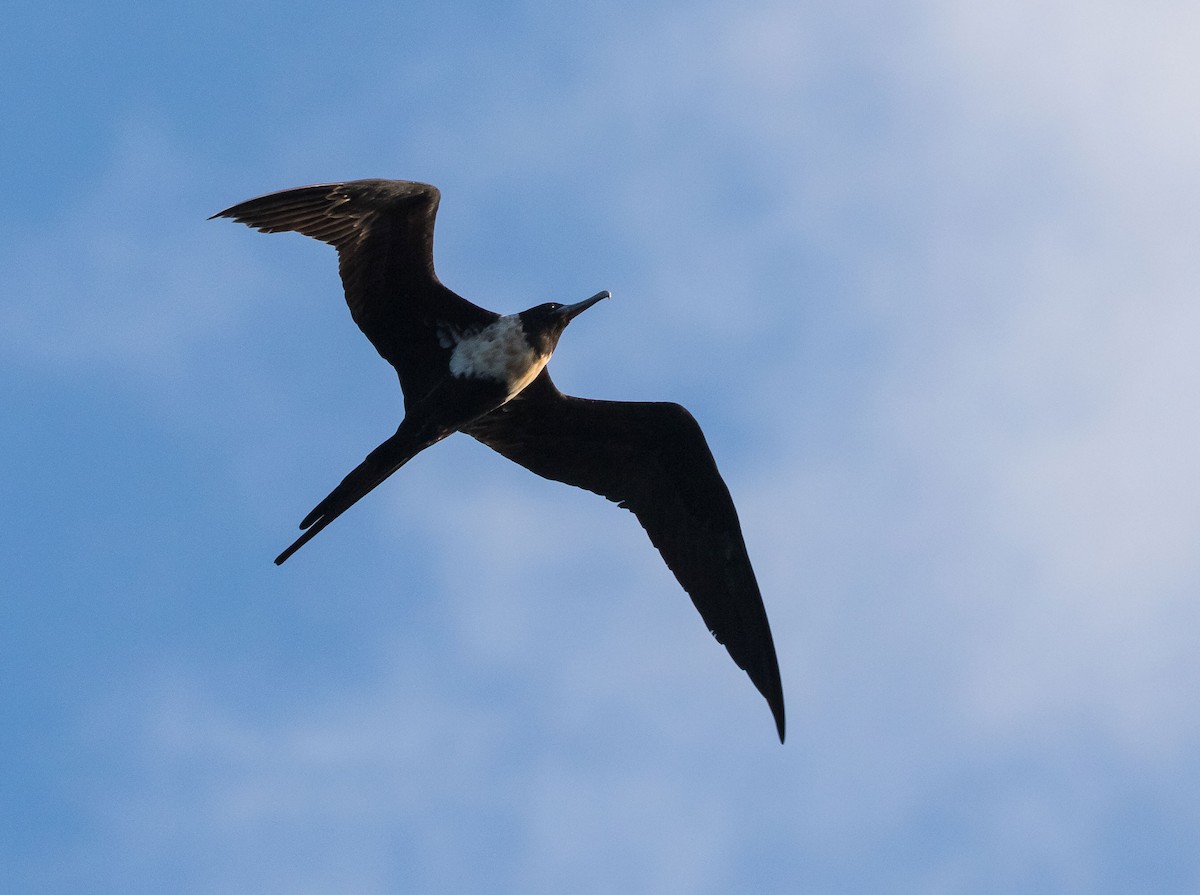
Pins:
x: 545, y: 323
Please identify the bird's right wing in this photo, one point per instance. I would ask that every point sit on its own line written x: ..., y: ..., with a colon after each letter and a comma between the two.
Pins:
x: 652, y: 459
x: 383, y: 233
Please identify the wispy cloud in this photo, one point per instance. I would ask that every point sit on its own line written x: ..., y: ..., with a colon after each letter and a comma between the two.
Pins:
x: 125, y: 277
x: 927, y: 276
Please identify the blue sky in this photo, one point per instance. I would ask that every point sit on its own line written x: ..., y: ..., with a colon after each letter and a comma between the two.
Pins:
x: 925, y: 272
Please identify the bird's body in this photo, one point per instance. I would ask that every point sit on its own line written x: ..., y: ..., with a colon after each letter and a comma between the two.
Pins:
x: 464, y: 368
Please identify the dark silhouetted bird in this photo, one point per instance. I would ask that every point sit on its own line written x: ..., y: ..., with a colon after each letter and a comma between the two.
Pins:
x: 466, y: 369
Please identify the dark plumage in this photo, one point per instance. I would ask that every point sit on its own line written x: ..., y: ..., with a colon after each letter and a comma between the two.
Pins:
x: 464, y: 368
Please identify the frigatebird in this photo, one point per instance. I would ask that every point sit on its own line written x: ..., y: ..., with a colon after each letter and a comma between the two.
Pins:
x: 466, y: 369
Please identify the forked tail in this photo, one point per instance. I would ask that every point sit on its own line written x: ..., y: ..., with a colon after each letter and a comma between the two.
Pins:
x: 378, y: 465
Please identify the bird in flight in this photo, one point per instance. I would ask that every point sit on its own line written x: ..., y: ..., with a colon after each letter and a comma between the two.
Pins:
x: 466, y: 369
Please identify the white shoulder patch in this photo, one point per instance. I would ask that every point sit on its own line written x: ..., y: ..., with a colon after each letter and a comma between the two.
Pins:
x: 500, y: 352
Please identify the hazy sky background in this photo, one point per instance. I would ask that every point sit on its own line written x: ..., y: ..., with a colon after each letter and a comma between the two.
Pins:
x: 926, y: 272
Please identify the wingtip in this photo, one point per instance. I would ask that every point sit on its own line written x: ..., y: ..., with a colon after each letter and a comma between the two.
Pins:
x: 770, y: 687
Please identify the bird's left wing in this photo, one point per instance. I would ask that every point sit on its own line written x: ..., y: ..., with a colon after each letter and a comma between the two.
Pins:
x: 383, y: 233
x: 652, y: 459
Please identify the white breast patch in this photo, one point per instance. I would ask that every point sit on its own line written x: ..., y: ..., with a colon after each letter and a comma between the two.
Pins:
x: 500, y: 352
